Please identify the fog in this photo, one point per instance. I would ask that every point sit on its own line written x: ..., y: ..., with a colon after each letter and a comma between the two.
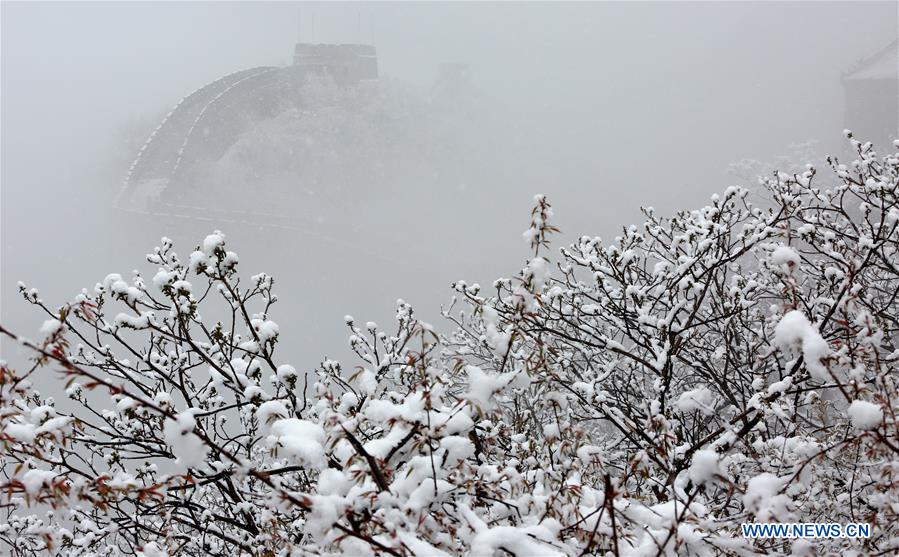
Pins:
x: 604, y: 107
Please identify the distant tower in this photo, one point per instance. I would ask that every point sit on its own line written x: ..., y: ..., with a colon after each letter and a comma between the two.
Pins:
x: 872, y: 97
x: 299, y: 25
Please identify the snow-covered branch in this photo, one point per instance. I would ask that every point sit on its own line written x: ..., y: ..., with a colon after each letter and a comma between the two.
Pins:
x: 643, y: 396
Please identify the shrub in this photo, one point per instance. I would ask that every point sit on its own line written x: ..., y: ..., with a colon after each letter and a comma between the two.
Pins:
x: 646, y: 396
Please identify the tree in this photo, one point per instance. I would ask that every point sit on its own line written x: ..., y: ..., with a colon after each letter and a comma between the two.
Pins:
x: 643, y: 397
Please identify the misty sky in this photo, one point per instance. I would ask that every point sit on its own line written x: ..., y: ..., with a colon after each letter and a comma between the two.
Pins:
x: 615, y: 105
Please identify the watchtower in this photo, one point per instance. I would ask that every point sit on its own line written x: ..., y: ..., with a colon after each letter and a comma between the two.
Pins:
x: 872, y: 97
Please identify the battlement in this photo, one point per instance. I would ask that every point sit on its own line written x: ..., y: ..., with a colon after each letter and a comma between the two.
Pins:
x: 345, y: 62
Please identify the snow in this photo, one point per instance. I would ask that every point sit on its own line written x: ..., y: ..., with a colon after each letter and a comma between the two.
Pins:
x: 163, y: 398
x: 218, y: 380
x: 35, y: 479
x: 123, y: 480
x: 267, y: 411
x: 865, y: 415
x: 785, y: 255
x: 381, y: 410
x: 367, y: 381
x: 42, y: 420
x: 379, y: 447
x: 299, y: 439
x: 459, y: 422
x: 420, y: 548
x: 286, y: 373
x: 50, y: 327
x: 348, y: 400
x: 539, y: 270
x: 794, y: 328
x: 230, y: 261
x: 458, y: 448
x: 163, y: 277
x: 54, y: 425
x: 198, y: 260
x: 496, y: 338
x: 114, y: 284
x: 152, y: 549
x: 265, y: 329
x: 762, y: 499
x: 522, y: 542
x: 143, y: 321
x: 428, y: 494
x: 551, y: 431
x: 40, y: 413
x: 213, y: 242
x: 333, y: 482
x: 780, y: 386
x: 704, y: 466
x: 126, y: 403
x: 22, y: 433
x: 483, y: 386
x: 700, y: 398
x: 253, y: 391
x: 182, y: 287
x: 189, y: 449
